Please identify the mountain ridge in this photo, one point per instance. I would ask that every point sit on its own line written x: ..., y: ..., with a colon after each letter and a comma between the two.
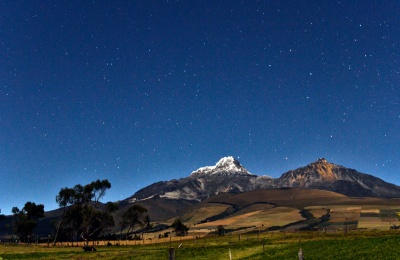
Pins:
x: 228, y: 175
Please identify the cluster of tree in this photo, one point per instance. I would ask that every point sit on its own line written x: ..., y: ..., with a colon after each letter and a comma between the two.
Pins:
x: 83, y: 216
x: 25, y: 220
x: 180, y: 228
x: 134, y: 216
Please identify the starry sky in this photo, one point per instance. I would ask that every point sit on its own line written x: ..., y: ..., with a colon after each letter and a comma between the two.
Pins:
x: 143, y: 91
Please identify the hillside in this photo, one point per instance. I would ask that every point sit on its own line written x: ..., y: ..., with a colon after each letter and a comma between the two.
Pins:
x: 291, y: 208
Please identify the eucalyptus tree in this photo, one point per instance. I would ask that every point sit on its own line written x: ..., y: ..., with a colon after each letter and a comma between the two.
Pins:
x: 65, y: 198
x: 25, y: 220
x: 82, y: 215
x: 133, y: 216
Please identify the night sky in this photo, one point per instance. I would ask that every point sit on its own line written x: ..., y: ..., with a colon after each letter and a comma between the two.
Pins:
x: 143, y: 91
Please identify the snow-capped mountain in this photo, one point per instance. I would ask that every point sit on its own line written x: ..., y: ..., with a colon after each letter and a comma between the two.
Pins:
x: 229, y: 176
x: 225, y: 166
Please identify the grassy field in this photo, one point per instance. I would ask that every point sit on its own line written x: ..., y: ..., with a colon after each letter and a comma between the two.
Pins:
x: 315, y: 245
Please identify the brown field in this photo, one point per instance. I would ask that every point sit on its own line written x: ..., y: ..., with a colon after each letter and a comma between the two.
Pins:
x: 260, y: 219
x: 279, y: 207
x: 205, y: 212
x: 259, y: 210
x: 254, y: 207
x: 299, y: 198
x: 373, y: 223
x: 345, y: 214
x: 368, y: 210
x: 282, y: 197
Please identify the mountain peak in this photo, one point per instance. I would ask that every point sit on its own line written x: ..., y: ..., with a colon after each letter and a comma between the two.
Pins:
x: 321, y: 161
x: 225, y: 166
x: 228, y: 162
x: 324, y: 169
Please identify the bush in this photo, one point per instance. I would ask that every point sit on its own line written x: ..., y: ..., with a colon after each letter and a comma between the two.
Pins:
x: 179, y: 228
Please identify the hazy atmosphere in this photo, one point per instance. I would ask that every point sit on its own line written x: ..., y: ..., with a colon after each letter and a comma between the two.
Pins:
x: 142, y: 91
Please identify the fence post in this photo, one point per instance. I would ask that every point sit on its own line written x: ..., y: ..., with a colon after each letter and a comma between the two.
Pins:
x: 300, y: 254
x: 171, y: 253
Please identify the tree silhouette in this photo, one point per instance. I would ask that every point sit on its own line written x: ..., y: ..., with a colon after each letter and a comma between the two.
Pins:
x: 179, y: 228
x: 82, y: 215
x: 131, y: 217
x: 220, y: 230
x: 147, y: 222
x: 25, y: 220
x: 65, y: 198
x: 2, y: 216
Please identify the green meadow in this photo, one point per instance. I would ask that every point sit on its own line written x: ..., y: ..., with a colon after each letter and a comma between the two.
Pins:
x: 315, y: 245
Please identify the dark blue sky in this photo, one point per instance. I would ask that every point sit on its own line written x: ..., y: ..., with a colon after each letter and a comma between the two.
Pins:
x: 143, y: 91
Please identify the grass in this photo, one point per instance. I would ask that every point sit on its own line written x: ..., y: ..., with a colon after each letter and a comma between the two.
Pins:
x: 315, y: 245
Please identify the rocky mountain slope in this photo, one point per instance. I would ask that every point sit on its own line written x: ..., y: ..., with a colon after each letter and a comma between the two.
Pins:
x: 327, y: 176
x: 229, y: 176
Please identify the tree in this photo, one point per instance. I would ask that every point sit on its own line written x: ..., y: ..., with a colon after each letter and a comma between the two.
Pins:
x: 2, y: 216
x: 147, y: 222
x: 72, y: 222
x: 99, y: 189
x: 93, y: 222
x: 25, y: 220
x: 179, y: 228
x: 220, y: 230
x: 81, y: 213
x: 111, y: 207
x: 66, y: 197
x: 132, y: 216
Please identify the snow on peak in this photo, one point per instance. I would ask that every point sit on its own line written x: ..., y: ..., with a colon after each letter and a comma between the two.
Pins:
x: 225, y: 166
x: 229, y: 163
